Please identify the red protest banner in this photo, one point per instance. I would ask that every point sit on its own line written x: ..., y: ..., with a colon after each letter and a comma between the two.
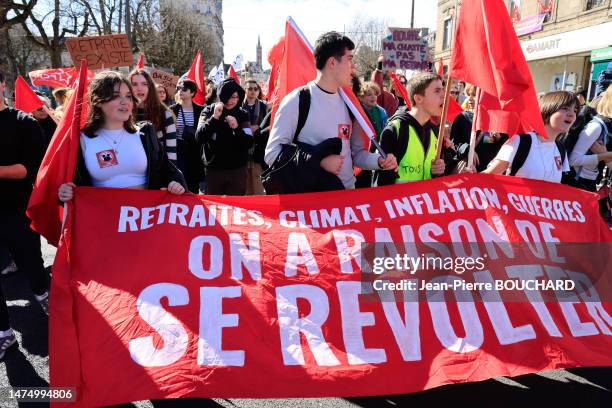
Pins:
x: 269, y: 284
x: 56, y: 77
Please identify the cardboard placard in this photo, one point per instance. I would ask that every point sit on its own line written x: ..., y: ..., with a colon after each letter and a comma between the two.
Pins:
x: 106, y: 51
x: 165, y: 79
x: 405, y: 49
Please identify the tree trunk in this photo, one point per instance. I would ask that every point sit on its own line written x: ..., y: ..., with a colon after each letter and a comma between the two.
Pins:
x: 128, y: 22
x: 56, y: 57
x: 5, y: 66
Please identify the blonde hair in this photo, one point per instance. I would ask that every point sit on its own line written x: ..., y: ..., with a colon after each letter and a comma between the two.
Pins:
x: 604, y: 107
x: 370, y: 86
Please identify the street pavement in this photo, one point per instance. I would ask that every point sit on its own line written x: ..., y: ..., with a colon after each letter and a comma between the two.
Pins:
x: 27, y: 366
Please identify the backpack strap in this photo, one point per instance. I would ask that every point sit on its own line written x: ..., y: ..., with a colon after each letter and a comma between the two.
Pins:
x: 303, y: 109
x: 562, y: 150
x: 521, y: 153
x: 604, y: 129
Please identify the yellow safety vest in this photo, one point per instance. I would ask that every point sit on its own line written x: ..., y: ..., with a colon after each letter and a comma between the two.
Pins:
x: 416, y: 163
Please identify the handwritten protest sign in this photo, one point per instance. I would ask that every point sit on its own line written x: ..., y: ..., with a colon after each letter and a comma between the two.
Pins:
x: 105, y: 51
x: 165, y: 79
x: 405, y: 49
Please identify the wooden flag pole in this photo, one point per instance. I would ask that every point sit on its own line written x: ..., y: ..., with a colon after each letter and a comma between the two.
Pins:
x: 443, y: 118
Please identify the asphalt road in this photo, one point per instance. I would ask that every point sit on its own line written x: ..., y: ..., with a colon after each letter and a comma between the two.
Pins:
x: 27, y: 366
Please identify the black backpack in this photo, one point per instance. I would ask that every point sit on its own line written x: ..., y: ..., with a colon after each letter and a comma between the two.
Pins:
x: 523, y: 151
x: 569, y: 139
x: 288, y: 175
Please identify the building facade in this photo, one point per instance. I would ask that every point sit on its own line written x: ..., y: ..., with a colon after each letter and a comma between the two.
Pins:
x: 566, y: 43
x: 207, y: 13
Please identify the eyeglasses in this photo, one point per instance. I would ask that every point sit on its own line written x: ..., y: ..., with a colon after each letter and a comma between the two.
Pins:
x: 251, y: 88
x: 454, y: 93
x: 182, y: 88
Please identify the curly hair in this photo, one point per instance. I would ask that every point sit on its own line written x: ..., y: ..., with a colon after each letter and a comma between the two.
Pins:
x: 101, y: 90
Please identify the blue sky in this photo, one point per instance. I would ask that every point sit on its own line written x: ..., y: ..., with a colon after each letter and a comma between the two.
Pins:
x: 243, y: 20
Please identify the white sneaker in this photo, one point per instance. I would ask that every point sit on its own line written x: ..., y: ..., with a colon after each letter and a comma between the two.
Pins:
x: 11, y: 268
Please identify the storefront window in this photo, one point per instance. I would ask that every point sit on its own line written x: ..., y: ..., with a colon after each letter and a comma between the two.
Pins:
x: 590, y: 4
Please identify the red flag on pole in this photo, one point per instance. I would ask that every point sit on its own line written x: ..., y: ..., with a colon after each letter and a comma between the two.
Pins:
x: 296, y: 66
x: 140, y: 63
x: 233, y: 74
x: 454, y: 110
x: 441, y: 68
x: 400, y: 88
x: 487, y: 53
x: 196, y: 74
x: 275, y: 56
x: 58, y: 165
x: 25, y: 98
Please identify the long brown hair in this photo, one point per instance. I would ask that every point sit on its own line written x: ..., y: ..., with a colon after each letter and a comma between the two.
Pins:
x: 101, y: 90
x: 153, y: 108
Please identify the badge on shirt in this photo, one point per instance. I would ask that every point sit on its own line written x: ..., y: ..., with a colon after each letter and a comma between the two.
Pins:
x: 107, y: 158
x: 558, y: 162
x: 344, y: 131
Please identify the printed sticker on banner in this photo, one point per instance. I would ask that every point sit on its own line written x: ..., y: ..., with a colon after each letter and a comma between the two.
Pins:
x: 558, y: 162
x: 107, y: 158
x: 344, y: 131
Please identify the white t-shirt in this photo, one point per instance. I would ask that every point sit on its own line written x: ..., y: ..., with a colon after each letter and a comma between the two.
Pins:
x: 586, y: 165
x: 115, y: 158
x: 328, y: 117
x: 543, y: 161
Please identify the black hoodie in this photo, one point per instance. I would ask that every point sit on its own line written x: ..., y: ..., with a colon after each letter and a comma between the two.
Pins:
x: 225, y: 148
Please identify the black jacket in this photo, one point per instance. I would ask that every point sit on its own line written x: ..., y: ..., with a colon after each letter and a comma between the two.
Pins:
x: 260, y: 139
x: 225, y: 148
x: 160, y: 170
x: 188, y: 150
x: 21, y: 142
x: 604, y: 80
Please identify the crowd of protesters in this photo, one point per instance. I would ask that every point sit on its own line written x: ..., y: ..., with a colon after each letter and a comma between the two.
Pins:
x: 137, y: 136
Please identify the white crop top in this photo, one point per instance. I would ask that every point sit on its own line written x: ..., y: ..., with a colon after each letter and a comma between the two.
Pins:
x: 115, y: 158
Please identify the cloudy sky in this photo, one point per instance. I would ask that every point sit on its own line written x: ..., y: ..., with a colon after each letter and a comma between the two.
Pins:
x: 243, y: 20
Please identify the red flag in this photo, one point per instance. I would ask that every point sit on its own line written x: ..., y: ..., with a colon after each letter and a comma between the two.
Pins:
x: 25, y: 98
x: 233, y: 74
x: 196, y: 74
x: 487, y: 54
x: 140, y: 63
x: 296, y: 66
x: 454, y: 110
x: 58, y: 165
x: 275, y: 56
x: 441, y: 68
x: 57, y: 77
x: 400, y: 88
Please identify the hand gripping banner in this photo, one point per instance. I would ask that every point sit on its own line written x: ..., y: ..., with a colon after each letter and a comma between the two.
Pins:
x: 162, y: 296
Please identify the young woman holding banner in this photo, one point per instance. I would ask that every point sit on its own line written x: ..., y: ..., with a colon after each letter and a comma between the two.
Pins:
x: 113, y: 151
x: 149, y: 108
x: 540, y: 157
